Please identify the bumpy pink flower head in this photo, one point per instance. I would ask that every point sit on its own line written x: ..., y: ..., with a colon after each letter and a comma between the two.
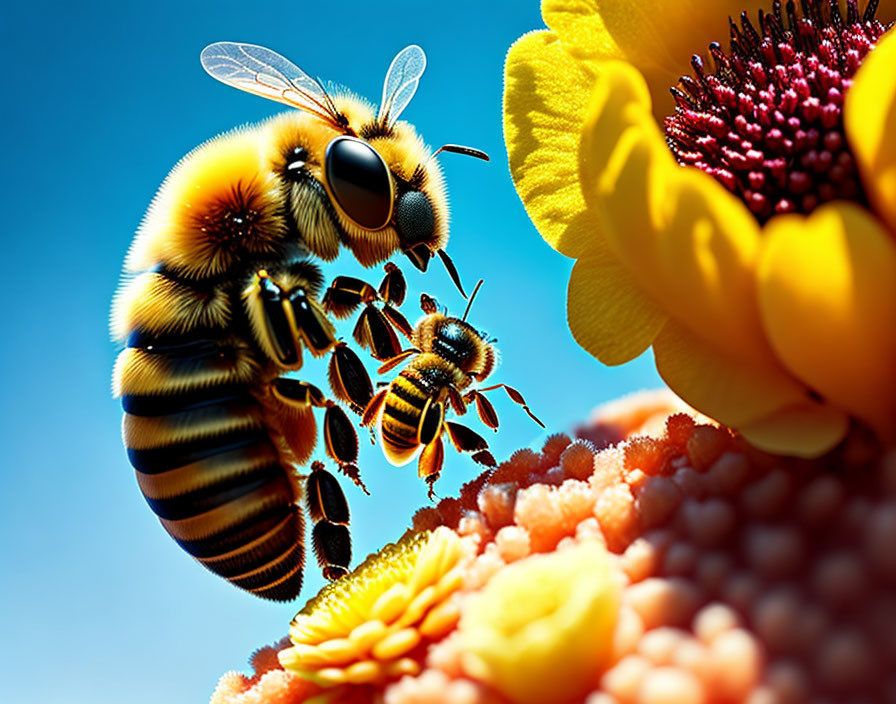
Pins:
x: 682, y: 566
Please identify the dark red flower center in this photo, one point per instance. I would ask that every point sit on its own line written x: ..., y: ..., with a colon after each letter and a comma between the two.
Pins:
x: 767, y: 120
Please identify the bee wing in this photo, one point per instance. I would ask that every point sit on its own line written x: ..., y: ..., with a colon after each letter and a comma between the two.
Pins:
x: 401, y: 83
x: 263, y: 72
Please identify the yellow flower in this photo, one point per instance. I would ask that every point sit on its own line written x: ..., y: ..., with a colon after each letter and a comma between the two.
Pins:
x: 366, y: 627
x: 760, y: 265
x: 541, y: 629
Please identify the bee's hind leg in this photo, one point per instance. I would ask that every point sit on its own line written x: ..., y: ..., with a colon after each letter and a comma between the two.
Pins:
x: 341, y: 443
x: 329, y: 510
x: 465, y: 440
x: 429, y: 466
x: 349, y: 379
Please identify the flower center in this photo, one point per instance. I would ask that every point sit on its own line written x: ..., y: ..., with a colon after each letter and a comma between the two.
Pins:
x: 767, y: 121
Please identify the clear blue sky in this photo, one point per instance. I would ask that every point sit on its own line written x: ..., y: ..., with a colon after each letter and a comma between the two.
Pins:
x: 100, y: 101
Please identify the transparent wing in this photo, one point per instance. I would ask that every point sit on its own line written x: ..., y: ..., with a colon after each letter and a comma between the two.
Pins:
x: 401, y: 82
x: 263, y: 72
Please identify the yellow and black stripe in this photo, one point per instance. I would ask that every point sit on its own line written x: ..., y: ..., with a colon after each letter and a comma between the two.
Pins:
x: 412, y: 412
x: 205, y: 460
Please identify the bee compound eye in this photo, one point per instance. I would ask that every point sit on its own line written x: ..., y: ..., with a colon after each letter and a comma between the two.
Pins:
x: 360, y: 182
x: 414, y: 218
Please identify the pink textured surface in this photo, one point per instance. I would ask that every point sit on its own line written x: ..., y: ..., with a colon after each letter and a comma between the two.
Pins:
x: 746, y: 577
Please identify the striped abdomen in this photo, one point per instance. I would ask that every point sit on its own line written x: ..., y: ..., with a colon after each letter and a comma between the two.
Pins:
x: 205, y: 460
x: 414, y: 408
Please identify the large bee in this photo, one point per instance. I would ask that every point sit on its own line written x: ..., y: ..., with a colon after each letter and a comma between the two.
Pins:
x: 220, y: 301
x: 447, y: 357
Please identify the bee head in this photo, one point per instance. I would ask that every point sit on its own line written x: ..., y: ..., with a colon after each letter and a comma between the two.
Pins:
x: 403, y: 203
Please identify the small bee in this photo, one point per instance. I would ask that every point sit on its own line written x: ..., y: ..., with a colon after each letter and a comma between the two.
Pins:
x: 221, y: 300
x: 447, y: 357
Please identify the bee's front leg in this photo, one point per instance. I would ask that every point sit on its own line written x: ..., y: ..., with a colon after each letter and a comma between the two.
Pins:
x: 285, y: 317
x: 375, y: 328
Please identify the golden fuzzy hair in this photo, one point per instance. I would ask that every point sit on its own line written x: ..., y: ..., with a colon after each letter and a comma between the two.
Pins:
x: 217, y: 205
x: 429, y: 326
x: 160, y: 305
x: 140, y: 372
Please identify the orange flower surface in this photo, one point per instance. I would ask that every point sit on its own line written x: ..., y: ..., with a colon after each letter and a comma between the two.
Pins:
x: 724, y: 174
x: 622, y: 567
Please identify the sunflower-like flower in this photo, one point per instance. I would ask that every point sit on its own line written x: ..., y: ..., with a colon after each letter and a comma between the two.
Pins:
x: 567, y: 604
x: 364, y: 628
x: 741, y: 220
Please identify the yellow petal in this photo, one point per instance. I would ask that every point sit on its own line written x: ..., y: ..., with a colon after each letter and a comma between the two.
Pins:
x: 581, y: 29
x: 609, y: 315
x: 367, y: 634
x: 327, y: 677
x: 540, y: 630
x: 363, y: 672
x: 440, y: 620
x: 805, y: 431
x: 828, y: 301
x: 656, y: 36
x: 869, y: 118
x: 397, y: 644
x: 687, y: 242
x: 450, y: 582
x: 294, y: 658
x: 767, y: 406
x: 545, y: 96
x: 338, y: 651
x: 401, y: 667
x: 391, y: 603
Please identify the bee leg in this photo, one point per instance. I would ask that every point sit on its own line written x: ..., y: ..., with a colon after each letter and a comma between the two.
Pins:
x: 298, y: 393
x: 393, y: 287
x: 329, y: 510
x: 484, y: 408
x: 372, y: 411
x: 399, y: 322
x: 458, y: 402
x: 465, y: 440
x: 374, y: 332
x: 345, y: 294
x: 429, y: 466
x: 431, y: 422
x: 349, y: 379
x: 428, y: 304
x: 353, y: 473
x: 396, y: 360
x: 292, y: 414
x: 515, y: 396
x: 341, y: 442
x: 284, y: 317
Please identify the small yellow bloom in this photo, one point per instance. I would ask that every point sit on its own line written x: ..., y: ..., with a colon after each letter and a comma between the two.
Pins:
x: 541, y: 629
x: 364, y: 628
x: 730, y: 248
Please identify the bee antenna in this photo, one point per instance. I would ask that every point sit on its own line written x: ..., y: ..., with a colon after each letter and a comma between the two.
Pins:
x: 460, y: 149
x: 472, y: 297
x: 452, y: 271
